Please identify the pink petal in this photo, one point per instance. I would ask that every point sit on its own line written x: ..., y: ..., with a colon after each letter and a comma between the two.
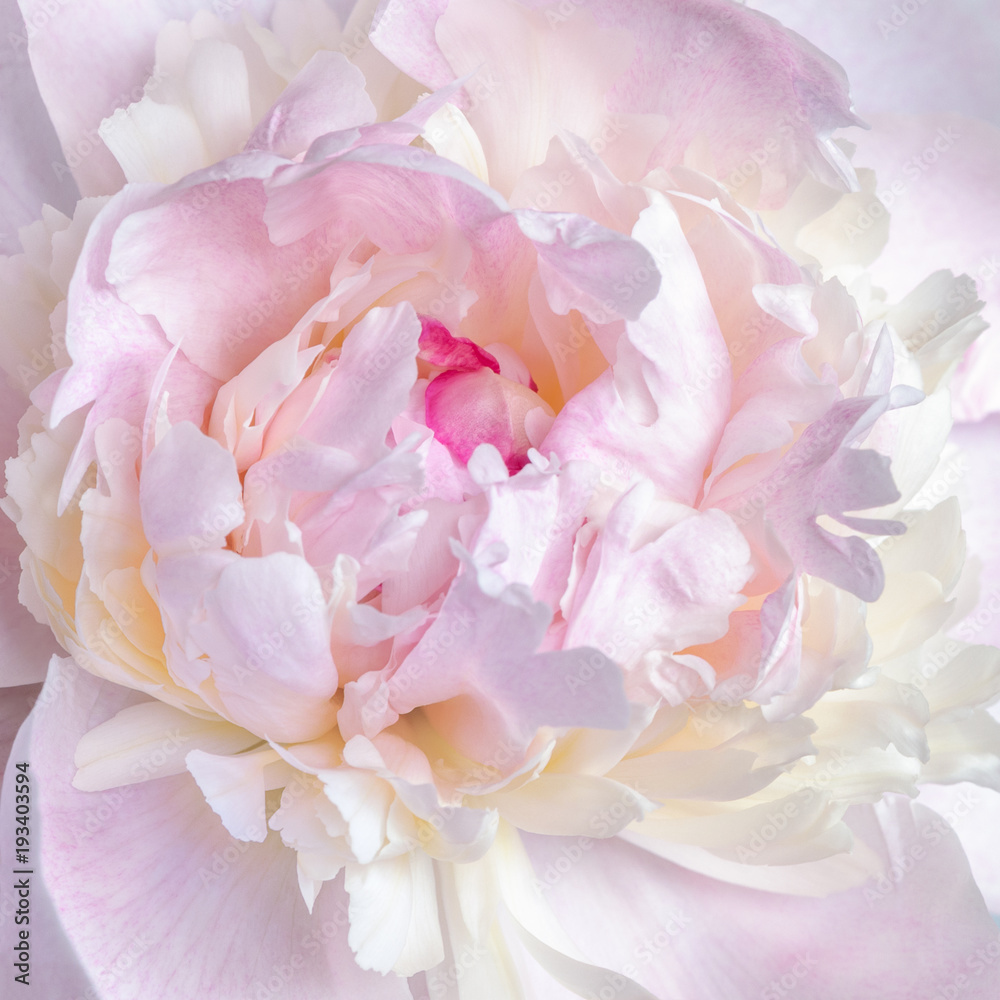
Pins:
x: 520, y: 60
x: 408, y: 202
x: 821, y: 475
x: 442, y: 350
x: 669, y: 593
x: 359, y: 517
x: 467, y: 409
x: 536, y: 516
x: 588, y: 267
x: 683, y: 934
x: 328, y: 94
x: 159, y: 901
x: 736, y: 78
x: 190, y: 493
x: 481, y: 654
x: 116, y: 353
x: 370, y: 385
x: 777, y: 390
x: 645, y: 418
x: 161, y: 264
x: 267, y: 640
x: 405, y: 33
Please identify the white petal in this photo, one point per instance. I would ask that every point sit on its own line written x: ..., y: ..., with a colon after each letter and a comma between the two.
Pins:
x: 149, y: 740
x: 394, y: 916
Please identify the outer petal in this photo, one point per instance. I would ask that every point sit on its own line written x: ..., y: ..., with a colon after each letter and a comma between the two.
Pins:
x: 977, y: 491
x: 683, y: 933
x: 55, y: 968
x: 160, y: 901
x: 904, y: 58
x: 116, y: 353
x: 520, y: 60
x: 707, y: 69
x: 740, y: 80
x: 161, y: 264
x: 92, y: 57
x: 974, y: 812
x: 32, y: 169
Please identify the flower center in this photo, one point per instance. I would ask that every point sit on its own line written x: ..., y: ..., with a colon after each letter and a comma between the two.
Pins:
x: 473, y: 399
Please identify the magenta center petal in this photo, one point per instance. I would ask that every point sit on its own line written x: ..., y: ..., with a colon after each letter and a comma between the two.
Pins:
x: 467, y: 409
x: 439, y: 348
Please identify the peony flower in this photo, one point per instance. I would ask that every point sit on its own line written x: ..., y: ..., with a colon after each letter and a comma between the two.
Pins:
x: 489, y: 515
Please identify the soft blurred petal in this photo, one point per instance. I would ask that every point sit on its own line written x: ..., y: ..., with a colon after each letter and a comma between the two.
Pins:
x: 906, y: 57
x: 55, y: 970
x: 978, y: 490
x: 915, y: 70
x: 32, y: 168
x: 26, y: 645
x: 937, y: 176
x: 686, y: 935
x: 92, y: 56
x: 974, y: 812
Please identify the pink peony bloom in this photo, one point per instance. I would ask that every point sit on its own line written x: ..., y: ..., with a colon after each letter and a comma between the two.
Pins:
x: 489, y: 516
